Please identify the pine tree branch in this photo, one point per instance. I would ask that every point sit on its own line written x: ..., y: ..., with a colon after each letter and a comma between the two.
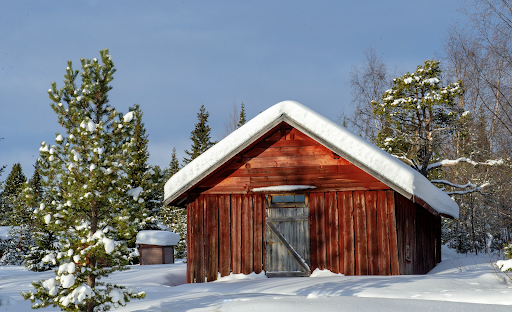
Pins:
x: 474, y: 187
x: 453, y: 162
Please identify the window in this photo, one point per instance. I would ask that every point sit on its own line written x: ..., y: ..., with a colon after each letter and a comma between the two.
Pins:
x: 287, y: 200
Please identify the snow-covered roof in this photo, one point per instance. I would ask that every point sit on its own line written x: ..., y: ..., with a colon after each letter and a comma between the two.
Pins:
x: 368, y: 157
x: 156, y: 237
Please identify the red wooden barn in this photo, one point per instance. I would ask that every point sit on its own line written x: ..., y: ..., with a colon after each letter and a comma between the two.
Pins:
x: 291, y: 191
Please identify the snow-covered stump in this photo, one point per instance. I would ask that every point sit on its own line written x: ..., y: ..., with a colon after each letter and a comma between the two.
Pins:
x: 156, y: 247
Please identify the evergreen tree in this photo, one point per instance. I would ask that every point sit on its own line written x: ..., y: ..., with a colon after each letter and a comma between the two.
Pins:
x: 13, y: 185
x: 174, y: 165
x: 19, y: 217
x: 88, y: 201
x: 200, y: 136
x: 175, y: 218
x: 242, y: 119
x: 149, y: 178
x: 35, y: 183
x: 417, y: 112
x: 45, y: 241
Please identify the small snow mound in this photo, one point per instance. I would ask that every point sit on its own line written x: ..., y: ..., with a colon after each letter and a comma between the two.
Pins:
x: 324, y: 273
x: 156, y: 237
x: 241, y: 276
x: 312, y: 296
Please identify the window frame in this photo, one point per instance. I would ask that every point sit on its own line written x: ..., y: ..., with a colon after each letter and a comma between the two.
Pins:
x: 270, y: 204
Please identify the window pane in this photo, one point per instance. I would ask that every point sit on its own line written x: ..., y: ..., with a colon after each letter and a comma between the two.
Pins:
x: 277, y: 199
x: 300, y: 198
x: 288, y: 198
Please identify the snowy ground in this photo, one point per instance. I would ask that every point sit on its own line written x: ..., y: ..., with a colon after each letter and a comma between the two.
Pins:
x: 457, y: 284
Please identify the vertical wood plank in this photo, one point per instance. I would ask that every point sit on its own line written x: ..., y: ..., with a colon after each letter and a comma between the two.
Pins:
x: 264, y: 232
x: 247, y: 234
x: 372, y: 234
x: 383, y: 227
x: 349, y: 265
x: 313, y: 219
x: 332, y: 230
x: 327, y: 229
x: 360, y: 234
x: 393, y: 237
x: 341, y: 230
x: 212, y: 237
x: 411, y: 236
x: 236, y: 234
x: 224, y: 235
x: 438, y: 239
x: 321, y: 233
x: 258, y: 233
x: 200, y: 268
x: 190, y: 243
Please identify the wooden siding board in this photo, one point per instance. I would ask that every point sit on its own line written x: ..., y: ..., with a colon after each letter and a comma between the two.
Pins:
x: 224, y: 235
x: 332, y: 227
x: 258, y: 233
x: 321, y: 233
x: 372, y: 234
x: 236, y: 234
x: 211, y: 238
x: 361, y: 238
x: 200, y: 268
x: 383, y: 230
x: 313, y: 217
x: 247, y: 234
x: 395, y: 233
x: 348, y: 235
x: 190, y: 245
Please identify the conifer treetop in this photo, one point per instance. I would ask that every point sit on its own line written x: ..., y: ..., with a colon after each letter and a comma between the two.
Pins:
x: 200, y: 136
x: 242, y: 119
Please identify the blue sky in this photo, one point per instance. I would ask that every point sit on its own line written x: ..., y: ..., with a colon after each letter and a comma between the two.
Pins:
x: 173, y: 56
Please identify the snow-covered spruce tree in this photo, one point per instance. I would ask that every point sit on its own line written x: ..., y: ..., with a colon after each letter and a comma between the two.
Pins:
x: 146, y: 179
x: 175, y: 218
x: 45, y: 241
x: 19, y: 217
x: 200, y: 136
x: 88, y: 202
x: 13, y: 185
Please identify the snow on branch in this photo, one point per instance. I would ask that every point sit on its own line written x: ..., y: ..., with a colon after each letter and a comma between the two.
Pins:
x: 474, y: 187
x: 452, y: 162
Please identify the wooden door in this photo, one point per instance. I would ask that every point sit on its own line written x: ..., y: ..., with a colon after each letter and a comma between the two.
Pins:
x: 287, y: 237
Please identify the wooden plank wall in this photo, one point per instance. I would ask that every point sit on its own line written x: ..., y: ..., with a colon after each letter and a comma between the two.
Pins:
x: 419, y: 237
x: 287, y: 156
x: 225, y: 234
x: 352, y: 232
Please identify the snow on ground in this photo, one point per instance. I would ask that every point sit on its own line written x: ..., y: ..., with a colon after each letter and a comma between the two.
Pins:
x: 456, y: 284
